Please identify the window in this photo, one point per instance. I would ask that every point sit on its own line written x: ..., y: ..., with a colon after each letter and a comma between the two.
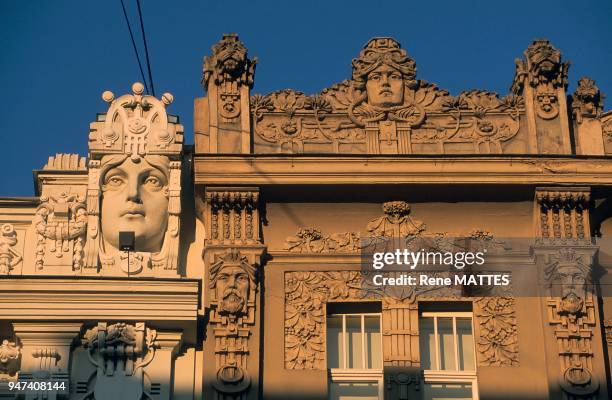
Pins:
x: 447, y: 355
x: 354, y: 356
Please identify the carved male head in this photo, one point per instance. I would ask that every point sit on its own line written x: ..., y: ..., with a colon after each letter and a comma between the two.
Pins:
x: 135, y: 198
x: 383, y: 70
x: 232, y: 279
x: 571, y: 276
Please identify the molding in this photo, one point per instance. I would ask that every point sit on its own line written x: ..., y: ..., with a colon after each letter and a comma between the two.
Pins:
x: 47, y: 333
x: 67, y: 178
x: 308, y: 170
x: 98, y: 299
x: 297, y: 261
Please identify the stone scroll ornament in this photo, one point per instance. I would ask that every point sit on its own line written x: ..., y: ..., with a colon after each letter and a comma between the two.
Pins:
x: 119, y: 352
x: 384, y: 109
x: 9, y: 257
x: 233, y: 286
x: 10, y: 355
x: 135, y: 153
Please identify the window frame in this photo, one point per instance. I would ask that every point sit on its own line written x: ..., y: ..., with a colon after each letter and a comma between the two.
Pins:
x: 456, y: 375
x: 356, y: 375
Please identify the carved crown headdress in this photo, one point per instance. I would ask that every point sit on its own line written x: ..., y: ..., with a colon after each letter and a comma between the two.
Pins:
x: 382, y: 51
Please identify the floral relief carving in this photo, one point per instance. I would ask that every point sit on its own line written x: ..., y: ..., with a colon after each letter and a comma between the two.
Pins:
x: 306, y: 294
x: 396, y: 222
x: 497, y: 343
x: 311, y: 240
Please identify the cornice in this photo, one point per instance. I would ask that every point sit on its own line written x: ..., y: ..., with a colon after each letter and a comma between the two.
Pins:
x: 98, y: 299
x: 68, y: 177
x: 330, y: 170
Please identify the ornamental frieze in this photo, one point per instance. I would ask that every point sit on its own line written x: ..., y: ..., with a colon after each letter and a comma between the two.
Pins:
x: 384, y: 109
x: 396, y: 223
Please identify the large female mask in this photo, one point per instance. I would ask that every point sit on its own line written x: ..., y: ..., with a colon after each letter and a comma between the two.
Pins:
x: 135, y: 152
x: 135, y: 199
x: 382, y: 71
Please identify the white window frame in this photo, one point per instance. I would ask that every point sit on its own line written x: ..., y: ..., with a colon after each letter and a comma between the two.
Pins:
x: 357, y: 375
x: 451, y: 376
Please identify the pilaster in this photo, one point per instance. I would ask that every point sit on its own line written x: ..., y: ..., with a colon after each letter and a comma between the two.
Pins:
x: 565, y: 257
x: 232, y: 257
x: 46, y: 345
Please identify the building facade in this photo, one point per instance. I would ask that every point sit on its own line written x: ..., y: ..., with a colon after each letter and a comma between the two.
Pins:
x: 235, y: 268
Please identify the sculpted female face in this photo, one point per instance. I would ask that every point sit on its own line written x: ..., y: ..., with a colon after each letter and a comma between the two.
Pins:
x: 135, y: 198
x: 385, y: 87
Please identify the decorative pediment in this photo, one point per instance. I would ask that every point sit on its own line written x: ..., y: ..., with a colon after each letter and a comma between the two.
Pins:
x: 383, y: 108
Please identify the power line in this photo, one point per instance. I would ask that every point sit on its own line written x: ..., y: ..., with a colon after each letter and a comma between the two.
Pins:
x: 127, y: 21
x: 144, y: 39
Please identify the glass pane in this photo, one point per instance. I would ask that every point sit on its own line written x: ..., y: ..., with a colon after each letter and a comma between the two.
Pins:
x: 465, y: 341
x: 427, y: 344
x: 353, y: 342
x: 373, y: 341
x: 334, y: 342
x: 448, y: 391
x: 353, y: 391
x: 445, y: 341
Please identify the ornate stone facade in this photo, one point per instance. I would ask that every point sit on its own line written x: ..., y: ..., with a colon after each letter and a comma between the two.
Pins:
x: 151, y: 269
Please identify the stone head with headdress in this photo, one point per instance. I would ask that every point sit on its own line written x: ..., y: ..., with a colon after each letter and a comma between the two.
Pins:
x: 383, y: 71
x: 135, y: 163
x: 233, y: 283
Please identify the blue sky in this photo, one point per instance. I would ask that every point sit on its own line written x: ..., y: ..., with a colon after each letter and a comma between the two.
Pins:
x: 59, y: 56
